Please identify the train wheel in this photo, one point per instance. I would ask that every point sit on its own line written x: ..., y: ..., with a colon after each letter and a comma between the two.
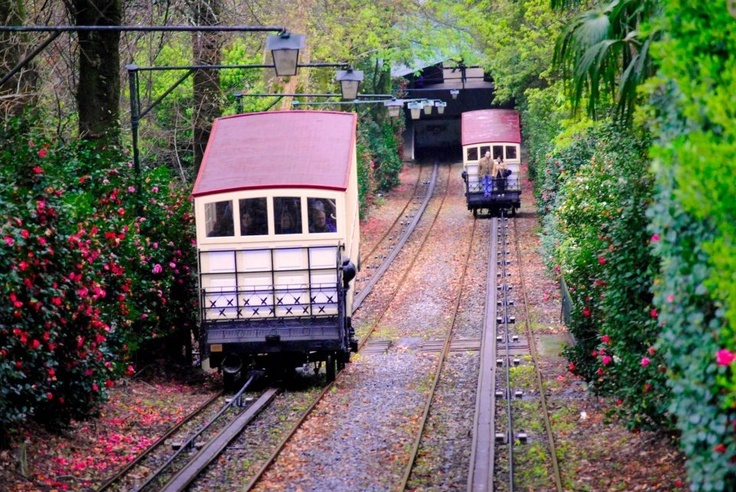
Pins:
x: 230, y: 380
x: 331, y: 367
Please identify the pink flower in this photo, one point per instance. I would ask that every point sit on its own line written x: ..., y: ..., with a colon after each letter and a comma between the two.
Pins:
x: 654, y: 313
x: 157, y: 268
x: 9, y: 240
x: 645, y: 361
x: 725, y: 357
x: 655, y: 238
x: 605, y: 339
x: 606, y: 360
x: 671, y: 298
x: 131, y: 189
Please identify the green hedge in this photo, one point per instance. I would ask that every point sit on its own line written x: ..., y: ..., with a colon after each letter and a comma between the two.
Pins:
x: 694, y: 218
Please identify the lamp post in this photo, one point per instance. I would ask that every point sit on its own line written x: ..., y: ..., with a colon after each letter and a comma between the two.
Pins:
x: 284, y: 49
x: 349, y: 82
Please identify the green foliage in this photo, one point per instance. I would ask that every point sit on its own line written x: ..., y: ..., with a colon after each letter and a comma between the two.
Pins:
x: 514, y: 39
x: 604, y: 54
x: 382, y: 141
x: 91, y: 269
x: 694, y: 218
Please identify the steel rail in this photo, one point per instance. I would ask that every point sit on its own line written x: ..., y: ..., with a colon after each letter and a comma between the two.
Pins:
x: 121, y: 473
x: 217, y: 445
x: 440, y: 364
x: 537, y: 372
x: 507, y: 347
x: 393, y: 224
x: 384, y: 266
x: 190, y: 442
x: 482, y: 453
x: 395, y: 251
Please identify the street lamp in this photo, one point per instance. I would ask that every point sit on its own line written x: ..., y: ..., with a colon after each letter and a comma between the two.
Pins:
x: 416, y: 109
x: 394, y: 107
x: 440, y: 105
x: 285, y: 48
x: 428, y: 105
x: 349, y: 82
x: 454, y: 93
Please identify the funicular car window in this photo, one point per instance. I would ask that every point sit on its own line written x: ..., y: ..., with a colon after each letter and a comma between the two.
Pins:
x: 287, y: 214
x: 472, y: 153
x: 219, y: 219
x: 498, y: 151
x: 253, y: 217
x: 484, y: 149
x: 322, y: 215
x: 510, y: 152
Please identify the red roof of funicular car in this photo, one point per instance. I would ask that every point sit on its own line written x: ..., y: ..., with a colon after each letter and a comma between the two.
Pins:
x: 278, y: 149
x: 491, y: 125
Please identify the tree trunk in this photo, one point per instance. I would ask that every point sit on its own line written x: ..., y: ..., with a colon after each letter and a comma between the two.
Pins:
x: 98, y: 92
x: 19, y: 91
x: 207, y: 96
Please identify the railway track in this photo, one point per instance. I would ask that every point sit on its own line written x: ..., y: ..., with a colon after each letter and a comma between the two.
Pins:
x: 508, y: 399
x: 505, y: 350
x: 392, y: 242
x: 199, y: 443
x: 179, y: 456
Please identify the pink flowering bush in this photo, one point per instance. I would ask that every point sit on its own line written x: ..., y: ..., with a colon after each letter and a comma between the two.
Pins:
x: 597, y: 237
x: 80, y: 297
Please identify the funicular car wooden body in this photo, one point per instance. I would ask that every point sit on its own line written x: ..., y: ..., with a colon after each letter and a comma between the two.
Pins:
x: 276, y: 207
x: 498, y: 132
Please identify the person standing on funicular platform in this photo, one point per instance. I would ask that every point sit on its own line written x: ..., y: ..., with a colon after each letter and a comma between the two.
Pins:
x: 500, y: 172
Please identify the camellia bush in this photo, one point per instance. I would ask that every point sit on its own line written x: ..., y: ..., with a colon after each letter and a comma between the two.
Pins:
x: 93, y: 270
x: 595, y: 192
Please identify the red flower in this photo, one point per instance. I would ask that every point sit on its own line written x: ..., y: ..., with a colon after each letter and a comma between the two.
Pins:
x: 50, y: 396
x: 571, y: 367
x: 645, y: 361
x: 602, y: 260
x: 586, y: 312
x: 654, y: 313
x: 606, y: 360
x: 720, y: 448
x: 37, y: 170
x: 42, y: 153
x: 109, y: 383
x: 605, y: 339
x: 725, y: 357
